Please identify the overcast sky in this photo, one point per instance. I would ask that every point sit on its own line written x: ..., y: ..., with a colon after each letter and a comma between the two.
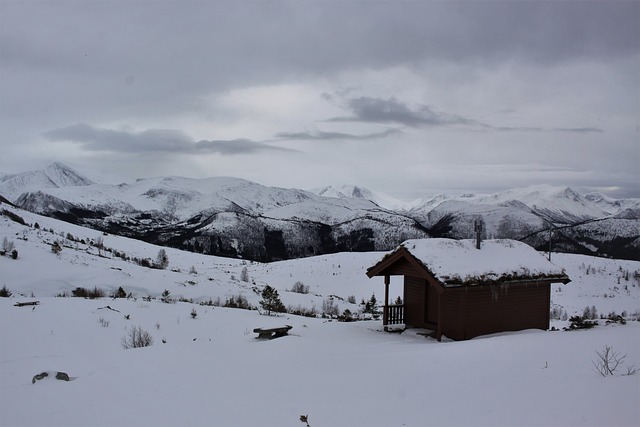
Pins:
x: 411, y: 98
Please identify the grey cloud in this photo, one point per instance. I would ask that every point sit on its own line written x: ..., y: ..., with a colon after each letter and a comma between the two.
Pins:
x: 235, y: 146
x: 152, y: 141
x: 100, y: 139
x: 92, y: 50
x: 541, y: 129
x: 376, y: 110
x: 579, y: 130
x: 329, y: 136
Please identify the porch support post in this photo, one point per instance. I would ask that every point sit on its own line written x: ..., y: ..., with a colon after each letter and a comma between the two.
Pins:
x: 385, y: 310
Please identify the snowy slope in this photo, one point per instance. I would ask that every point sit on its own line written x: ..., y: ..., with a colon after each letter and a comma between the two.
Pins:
x: 211, y: 369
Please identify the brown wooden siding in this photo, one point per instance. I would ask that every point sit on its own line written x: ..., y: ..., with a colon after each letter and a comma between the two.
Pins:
x: 431, y: 316
x: 491, y: 309
x: 452, y: 314
x: 414, y: 295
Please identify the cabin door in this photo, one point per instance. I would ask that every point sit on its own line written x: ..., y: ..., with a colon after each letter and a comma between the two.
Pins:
x: 431, y: 304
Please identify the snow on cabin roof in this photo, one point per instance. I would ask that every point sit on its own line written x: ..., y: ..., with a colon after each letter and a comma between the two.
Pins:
x: 458, y: 262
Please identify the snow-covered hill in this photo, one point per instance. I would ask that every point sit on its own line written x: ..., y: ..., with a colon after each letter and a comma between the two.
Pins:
x: 210, y: 368
x: 235, y: 217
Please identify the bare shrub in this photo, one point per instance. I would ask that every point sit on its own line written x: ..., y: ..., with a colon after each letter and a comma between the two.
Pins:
x: 300, y: 288
x: 94, y: 293
x: 104, y: 323
x: 558, y: 313
x: 351, y: 299
x: 244, y: 275
x: 609, y: 361
x: 55, y: 247
x: 136, y: 338
x: 329, y: 307
x: 7, y: 245
x: 300, y: 310
x: 162, y: 260
x: 590, y: 313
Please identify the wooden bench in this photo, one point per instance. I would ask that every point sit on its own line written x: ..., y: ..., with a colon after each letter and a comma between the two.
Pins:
x: 272, y: 332
x: 23, y: 304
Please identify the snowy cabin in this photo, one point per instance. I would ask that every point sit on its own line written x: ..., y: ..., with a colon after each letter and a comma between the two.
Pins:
x: 459, y: 291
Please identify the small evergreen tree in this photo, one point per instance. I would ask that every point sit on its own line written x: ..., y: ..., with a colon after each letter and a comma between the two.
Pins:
x: 5, y: 292
x: 120, y: 293
x: 371, y: 306
x: 271, y: 301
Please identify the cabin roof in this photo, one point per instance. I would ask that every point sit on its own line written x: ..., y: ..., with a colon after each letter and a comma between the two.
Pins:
x: 458, y: 262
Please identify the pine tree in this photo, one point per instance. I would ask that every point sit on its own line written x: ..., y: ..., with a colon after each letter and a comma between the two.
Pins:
x: 271, y: 301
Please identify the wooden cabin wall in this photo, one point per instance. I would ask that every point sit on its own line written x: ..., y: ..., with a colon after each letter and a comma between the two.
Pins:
x: 452, y: 314
x: 414, y: 297
x: 505, y: 308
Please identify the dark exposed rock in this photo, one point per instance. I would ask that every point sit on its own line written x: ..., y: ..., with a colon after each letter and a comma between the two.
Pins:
x: 63, y: 376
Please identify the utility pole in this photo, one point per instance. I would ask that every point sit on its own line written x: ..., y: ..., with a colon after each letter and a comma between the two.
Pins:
x: 550, y: 241
x: 477, y: 226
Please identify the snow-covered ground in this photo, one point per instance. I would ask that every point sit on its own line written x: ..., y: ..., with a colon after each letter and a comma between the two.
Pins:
x: 210, y: 370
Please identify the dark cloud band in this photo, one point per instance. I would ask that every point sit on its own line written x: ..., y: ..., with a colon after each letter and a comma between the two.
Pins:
x: 152, y: 141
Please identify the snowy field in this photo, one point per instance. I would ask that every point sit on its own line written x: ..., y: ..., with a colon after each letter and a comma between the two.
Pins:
x: 210, y: 370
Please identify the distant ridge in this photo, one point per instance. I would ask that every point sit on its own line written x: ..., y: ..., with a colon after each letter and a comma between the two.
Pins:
x: 235, y: 217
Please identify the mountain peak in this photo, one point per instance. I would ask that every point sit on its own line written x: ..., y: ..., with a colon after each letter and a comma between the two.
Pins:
x: 348, y: 191
x: 55, y: 175
x: 64, y: 176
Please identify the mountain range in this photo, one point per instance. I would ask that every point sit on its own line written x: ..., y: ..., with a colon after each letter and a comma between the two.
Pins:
x: 238, y: 218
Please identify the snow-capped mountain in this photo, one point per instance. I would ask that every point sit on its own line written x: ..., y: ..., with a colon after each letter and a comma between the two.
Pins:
x: 610, y: 205
x: 560, y: 205
x: 56, y: 175
x: 227, y: 216
x: 356, y: 192
x: 239, y: 218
